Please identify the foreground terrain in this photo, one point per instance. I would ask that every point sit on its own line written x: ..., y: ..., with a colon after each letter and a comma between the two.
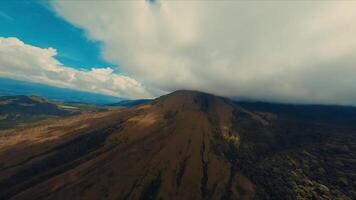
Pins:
x: 185, y: 145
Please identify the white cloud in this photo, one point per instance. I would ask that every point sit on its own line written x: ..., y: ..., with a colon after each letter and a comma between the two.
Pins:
x: 277, y: 51
x: 25, y: 62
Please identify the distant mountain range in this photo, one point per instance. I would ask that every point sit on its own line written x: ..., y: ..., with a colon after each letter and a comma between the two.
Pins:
x: 11, y: 87
x: 130, y: 103
x: 186, y: 145
x: 15, y: 110
x: 21, y: 110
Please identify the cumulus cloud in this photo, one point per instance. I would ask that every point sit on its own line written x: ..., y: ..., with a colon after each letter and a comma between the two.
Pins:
x: 300, y: 52
x: 25, y: 62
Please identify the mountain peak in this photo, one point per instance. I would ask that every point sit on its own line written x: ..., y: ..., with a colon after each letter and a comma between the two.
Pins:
x: 188, y: 93
x: 191, y: 100
x: 157, y: 149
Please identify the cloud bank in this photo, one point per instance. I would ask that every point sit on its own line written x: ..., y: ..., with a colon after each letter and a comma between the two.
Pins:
x: 301, y: 52
x: 25, y: 62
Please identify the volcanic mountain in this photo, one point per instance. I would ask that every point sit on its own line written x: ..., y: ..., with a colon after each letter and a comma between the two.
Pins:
x: 185, y: 145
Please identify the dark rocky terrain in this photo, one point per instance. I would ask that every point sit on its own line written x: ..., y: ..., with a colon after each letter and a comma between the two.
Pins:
x: 185, y: 145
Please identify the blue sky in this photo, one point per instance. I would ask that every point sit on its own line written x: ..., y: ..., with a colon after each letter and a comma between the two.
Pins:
x: 35, y: 23
x: 39, y: 45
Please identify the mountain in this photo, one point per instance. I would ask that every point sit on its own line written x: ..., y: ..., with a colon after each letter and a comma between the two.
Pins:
x: 11, y: 87
x: 185, y: 145
x: 130, y: 103
x: 19, y: 109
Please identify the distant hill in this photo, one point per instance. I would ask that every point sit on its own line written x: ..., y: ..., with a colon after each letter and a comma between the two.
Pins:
x: 186, y: 145
x: 130, y: 103
x: 20, y: 109
x: 10, y: 87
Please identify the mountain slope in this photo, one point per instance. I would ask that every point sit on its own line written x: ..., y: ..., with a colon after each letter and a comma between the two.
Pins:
x: 186, y: 145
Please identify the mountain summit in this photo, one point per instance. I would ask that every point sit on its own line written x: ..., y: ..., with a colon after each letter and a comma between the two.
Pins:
x: 185, y: 145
